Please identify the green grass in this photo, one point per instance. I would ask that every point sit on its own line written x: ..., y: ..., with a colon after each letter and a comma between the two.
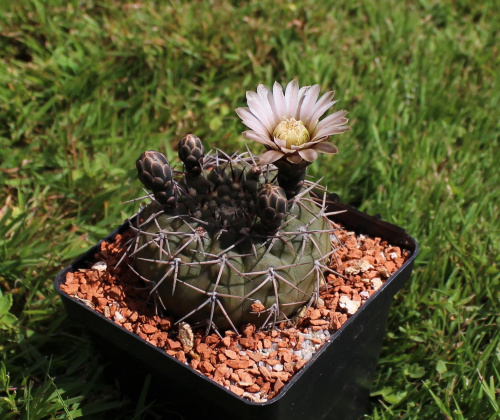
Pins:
x: 86, y: 86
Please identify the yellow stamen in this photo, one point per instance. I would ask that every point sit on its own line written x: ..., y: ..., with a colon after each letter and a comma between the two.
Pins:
x: 292, y: 131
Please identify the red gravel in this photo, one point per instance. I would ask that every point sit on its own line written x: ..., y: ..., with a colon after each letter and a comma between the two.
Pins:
x: 256, y: 364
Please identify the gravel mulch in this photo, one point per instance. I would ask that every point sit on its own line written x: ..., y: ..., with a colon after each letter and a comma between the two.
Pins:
x: 255, y: 364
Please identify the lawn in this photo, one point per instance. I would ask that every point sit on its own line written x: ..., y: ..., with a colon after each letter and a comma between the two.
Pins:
x: 86, y: 86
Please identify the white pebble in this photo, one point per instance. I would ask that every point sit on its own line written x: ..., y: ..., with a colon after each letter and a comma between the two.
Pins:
x: 278, y: 367
x: 376, y: 283
x: 334, y: 239
x: 307, y: 356
x: 100, y: 266
x: 350, y: 305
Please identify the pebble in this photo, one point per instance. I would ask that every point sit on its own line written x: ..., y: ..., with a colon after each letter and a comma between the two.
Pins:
x: 307, y: 356
x: 100, y: 266
x: 364, y: 294
x: 118, y: 316
x: 278, y: 367
x: 376, y: 283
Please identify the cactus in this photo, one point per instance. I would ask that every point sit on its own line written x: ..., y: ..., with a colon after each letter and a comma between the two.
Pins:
x: 221, y: 244
x: 239, y: 239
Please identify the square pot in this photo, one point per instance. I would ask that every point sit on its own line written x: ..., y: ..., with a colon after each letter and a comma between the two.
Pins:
x: 335, y: 383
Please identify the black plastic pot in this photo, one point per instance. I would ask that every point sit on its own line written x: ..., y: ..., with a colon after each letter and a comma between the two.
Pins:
x: 335, y: 384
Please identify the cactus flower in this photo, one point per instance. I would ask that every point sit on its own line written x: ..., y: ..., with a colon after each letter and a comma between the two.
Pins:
x: 288, y: 124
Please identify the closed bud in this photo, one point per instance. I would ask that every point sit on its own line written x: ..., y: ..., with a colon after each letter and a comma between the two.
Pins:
x: 191, y: 152
x: 154, y: 171
x: 271, y: 206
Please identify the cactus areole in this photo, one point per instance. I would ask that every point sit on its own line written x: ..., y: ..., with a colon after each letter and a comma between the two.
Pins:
x: 230, y: 240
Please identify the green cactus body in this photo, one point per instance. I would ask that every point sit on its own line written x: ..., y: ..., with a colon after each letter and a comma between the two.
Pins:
x: 232, y: 240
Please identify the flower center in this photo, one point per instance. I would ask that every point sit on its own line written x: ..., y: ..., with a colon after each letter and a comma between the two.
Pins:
x: 292, y: 131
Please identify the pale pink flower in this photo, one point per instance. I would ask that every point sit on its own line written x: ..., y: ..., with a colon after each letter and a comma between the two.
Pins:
x: 288, y: 123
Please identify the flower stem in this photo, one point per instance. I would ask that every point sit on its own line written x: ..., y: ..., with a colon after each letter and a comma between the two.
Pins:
x: 291, y: 176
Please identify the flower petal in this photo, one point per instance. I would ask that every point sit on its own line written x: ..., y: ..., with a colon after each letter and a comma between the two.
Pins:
x: 279, y: 142
x: 252, y: 122
x: 310, y: 98
x: 261, y: 110
x: 267, y: 98
x: 309, y: 154
x: 330, y: 130
x: 279, y: 100
x: 294, y: 158
x: 327, y: 148
x: 302, y: 94
x: 332, y: 119
x: 324, y: 103
x: 252, y: 135
x: 291, y: 98
x: 269, y: 157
